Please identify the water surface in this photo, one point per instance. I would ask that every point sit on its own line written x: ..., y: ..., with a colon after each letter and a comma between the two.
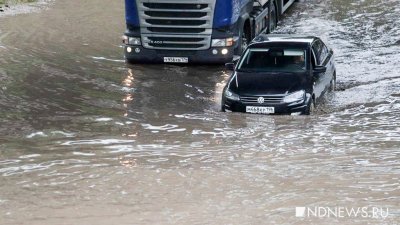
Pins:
x: 86, y: 139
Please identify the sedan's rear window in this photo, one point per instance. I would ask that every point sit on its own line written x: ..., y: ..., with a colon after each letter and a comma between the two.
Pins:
x: 273, y: 60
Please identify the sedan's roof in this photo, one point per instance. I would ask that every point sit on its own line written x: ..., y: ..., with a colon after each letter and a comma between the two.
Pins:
x: 290, y: 39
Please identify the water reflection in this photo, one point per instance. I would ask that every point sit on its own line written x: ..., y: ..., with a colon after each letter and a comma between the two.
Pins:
x: 78, y: 125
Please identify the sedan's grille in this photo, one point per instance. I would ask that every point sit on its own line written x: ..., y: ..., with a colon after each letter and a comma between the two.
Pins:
x: 269, y: 99
x: 173, y: 25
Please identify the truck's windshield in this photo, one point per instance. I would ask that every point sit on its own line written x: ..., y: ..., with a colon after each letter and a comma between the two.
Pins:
x: 273, y: 60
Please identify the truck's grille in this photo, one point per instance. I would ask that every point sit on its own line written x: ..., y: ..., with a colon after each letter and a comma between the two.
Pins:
x: 267, y: 99
x: 174, y: 42
x: 174, y: 14
x: 173, y: 25
x: 177, y: 30
x: 175, y: 6
x: 175, y: 22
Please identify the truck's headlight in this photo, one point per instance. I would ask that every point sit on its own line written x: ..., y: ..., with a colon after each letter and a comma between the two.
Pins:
x: 227, y: 42
x: 295, y: 97
x: 125, y: 39
x: 232, y: 96
x: 132, y: 41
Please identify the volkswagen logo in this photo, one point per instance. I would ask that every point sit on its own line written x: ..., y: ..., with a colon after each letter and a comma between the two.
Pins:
x: 260, y: 100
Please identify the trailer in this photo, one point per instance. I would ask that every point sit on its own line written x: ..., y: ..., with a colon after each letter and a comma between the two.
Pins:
x: 196, y: 31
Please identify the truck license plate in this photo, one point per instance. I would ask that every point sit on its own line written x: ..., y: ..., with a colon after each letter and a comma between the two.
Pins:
x: 176, y: 59
x: 260, y: 110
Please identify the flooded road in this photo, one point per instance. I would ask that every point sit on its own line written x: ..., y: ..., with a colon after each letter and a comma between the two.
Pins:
x: 86, y: 139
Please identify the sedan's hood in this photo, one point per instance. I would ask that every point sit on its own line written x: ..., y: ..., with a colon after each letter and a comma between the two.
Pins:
x: 267, y: 83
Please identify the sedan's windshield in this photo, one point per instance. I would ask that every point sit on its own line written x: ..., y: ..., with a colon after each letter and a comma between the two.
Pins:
x: 273, y: 60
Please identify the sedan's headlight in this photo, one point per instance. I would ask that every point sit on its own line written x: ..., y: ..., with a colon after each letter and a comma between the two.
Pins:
x: 232, y: 96
x: 295, y: 97
x: 227, y: 42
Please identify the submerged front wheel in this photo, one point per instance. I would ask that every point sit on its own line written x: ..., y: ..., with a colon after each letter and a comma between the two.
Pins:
x: 332, y: 86
x: 310, y: 108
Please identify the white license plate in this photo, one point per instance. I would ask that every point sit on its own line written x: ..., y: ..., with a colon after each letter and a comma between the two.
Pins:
x: 176, y: 59
x: 260, y: 110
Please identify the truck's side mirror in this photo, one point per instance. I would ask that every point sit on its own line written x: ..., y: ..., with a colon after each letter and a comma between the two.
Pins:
x: 230, y: 66
x: 319, y: 69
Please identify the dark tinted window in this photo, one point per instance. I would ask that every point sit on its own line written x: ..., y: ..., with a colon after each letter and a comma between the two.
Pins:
x: 273, y: 60
x: 313, y: 58
x: 320, y: 50
x: 324, y: 52
x: 317, y: 51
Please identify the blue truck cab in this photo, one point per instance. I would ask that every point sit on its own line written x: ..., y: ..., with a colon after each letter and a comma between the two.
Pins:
x: 195, y: 31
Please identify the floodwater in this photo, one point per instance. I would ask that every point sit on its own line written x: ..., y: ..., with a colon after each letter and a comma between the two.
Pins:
x: 86, y: 139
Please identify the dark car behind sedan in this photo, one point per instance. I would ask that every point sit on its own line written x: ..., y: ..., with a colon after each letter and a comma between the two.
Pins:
x: 280, y: 74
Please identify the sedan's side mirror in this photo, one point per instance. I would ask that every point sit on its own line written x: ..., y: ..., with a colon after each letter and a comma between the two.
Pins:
x: 230, y: 66
x: 319, y: 69
x: 236, y: 58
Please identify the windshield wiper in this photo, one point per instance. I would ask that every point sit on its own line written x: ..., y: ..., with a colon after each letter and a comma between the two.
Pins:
x: 246, y: 70
x: 267, y: 71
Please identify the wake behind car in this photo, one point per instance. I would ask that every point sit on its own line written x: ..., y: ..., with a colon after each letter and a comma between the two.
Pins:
x: 280, y: 74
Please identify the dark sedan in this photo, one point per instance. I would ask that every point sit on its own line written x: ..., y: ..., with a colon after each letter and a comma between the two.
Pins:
x: 280, y: 74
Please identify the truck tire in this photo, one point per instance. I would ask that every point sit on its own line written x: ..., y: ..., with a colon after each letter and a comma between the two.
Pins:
x: 244, y: 39
x: 272, y: 22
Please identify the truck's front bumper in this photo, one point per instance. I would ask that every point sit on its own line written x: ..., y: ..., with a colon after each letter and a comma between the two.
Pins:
x: 138, y: 54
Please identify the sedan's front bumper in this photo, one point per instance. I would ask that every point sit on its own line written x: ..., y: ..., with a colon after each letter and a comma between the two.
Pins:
x: 280, y: 108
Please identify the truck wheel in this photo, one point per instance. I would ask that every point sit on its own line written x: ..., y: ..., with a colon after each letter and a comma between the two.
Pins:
x: 272, y: 22
x: 243, y: 40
